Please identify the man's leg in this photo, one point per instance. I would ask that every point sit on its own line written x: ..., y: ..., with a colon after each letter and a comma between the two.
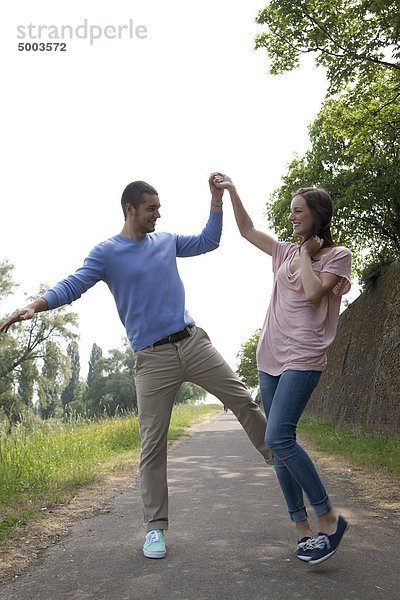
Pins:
x: 158, y: 377
x: 206, y: 367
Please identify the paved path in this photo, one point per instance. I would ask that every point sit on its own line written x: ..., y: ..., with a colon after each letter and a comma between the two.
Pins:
x: 229, y: 538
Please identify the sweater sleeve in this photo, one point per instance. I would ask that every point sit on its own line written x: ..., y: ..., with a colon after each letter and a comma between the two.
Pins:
x: 208, y: 240
x: 71, y: 288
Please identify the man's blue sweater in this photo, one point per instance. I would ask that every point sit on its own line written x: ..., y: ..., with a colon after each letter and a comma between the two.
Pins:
x: 143, y: 278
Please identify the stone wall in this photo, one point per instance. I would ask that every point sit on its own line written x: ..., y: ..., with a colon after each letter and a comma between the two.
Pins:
x: 360, y: 388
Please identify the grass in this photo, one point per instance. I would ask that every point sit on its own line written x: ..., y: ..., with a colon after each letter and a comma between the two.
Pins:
x: 362, y: 450
x: 43, y: 462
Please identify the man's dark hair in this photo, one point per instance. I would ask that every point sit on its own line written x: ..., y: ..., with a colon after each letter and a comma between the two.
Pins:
x: 134, y: 192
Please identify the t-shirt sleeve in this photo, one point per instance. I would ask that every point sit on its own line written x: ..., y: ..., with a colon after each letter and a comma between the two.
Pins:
x: 280, y: 252
x: 339, y: 263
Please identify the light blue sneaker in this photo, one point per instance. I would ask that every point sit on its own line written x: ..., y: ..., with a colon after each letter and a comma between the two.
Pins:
x: 154, y: 544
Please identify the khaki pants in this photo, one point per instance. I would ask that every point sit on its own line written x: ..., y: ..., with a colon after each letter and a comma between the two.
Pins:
x: 160, y: 370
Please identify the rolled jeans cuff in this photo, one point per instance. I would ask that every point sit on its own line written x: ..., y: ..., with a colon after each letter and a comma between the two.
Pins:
x: 298, y: 515
x: 322, y: 507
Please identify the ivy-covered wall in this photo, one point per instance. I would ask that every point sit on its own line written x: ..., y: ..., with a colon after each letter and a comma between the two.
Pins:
x: 360, y: 388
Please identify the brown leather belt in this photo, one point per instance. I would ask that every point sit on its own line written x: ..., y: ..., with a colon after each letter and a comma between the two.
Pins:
x: 175, y: 337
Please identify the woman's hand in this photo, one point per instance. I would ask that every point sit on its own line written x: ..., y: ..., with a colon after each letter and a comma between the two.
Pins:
x: 222, y: 181
x: 312, y: 246
x: 216, y: 192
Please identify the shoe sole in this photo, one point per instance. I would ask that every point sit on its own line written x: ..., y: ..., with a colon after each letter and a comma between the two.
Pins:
x: 154, y: 554
x: 324, y: 558
x: 304, y: 558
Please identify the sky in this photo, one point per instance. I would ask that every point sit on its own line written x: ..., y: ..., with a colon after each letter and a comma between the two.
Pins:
x: 169, y: 103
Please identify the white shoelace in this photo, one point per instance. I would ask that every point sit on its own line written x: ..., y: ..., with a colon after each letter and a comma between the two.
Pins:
x: 153, y: 536
x: 321, y: 541
x: 307, y: 545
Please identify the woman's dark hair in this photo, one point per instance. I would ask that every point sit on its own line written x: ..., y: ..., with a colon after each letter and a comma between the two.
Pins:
x: 321, y: 207
x: 134, y: 192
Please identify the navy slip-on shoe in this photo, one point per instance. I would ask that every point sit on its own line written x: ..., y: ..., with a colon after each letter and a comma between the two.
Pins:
x: 326, y: 545
x: 304, y: 548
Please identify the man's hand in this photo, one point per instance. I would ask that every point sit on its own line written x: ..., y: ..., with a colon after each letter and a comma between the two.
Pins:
x: 222, y: 182
x: 21, y: 314
x: 24, y: 314
x: 216, y: 193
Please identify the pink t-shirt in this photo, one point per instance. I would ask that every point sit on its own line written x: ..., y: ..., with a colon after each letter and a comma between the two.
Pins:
x: 297, y: 332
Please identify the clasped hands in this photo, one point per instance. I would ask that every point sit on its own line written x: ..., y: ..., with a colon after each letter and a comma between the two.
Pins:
x: 221, y: 181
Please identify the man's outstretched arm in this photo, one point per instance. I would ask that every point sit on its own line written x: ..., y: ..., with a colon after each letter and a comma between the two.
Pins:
x: 23, y: 314
x: 64, y: 292
x: 209, y: 238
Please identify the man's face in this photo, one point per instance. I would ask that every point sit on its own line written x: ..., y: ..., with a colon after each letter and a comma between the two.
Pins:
x: 146, y: 215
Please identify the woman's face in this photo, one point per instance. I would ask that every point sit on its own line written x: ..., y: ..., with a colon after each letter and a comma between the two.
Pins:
x: 301, y: 217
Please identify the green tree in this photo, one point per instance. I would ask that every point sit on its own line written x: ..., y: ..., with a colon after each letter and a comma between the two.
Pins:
x: 26, y: 343
x: 10, y: 403
x: 111, y: 382
x: 120, y: 389
x: 94, y: 381
x: 6, y: 281
x: 247, y: 368
x: 355, y: 150
x: 351, y: 39
x: 189, y: 392
x: 52, y: 380
x: 73, y: 390
x: 355, y: 154
x: 95, y: 355
x: 77, y: 407
x: 27, y: 376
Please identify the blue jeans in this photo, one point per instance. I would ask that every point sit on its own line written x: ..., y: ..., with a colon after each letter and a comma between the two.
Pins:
x: 284, y: 398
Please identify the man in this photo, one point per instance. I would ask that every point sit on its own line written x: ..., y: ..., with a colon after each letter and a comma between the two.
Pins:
x: 139, y: 266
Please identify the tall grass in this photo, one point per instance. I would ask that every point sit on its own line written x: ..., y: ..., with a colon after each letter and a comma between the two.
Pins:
x: 43, y: 461
x: 58, y: 455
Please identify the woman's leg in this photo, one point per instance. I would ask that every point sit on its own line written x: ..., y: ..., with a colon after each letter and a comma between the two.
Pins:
x: 290, y: 399
x: 286, y: 398
x: 292, y: 491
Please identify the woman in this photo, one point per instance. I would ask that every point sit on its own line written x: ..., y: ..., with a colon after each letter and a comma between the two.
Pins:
x: 309, y: 280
